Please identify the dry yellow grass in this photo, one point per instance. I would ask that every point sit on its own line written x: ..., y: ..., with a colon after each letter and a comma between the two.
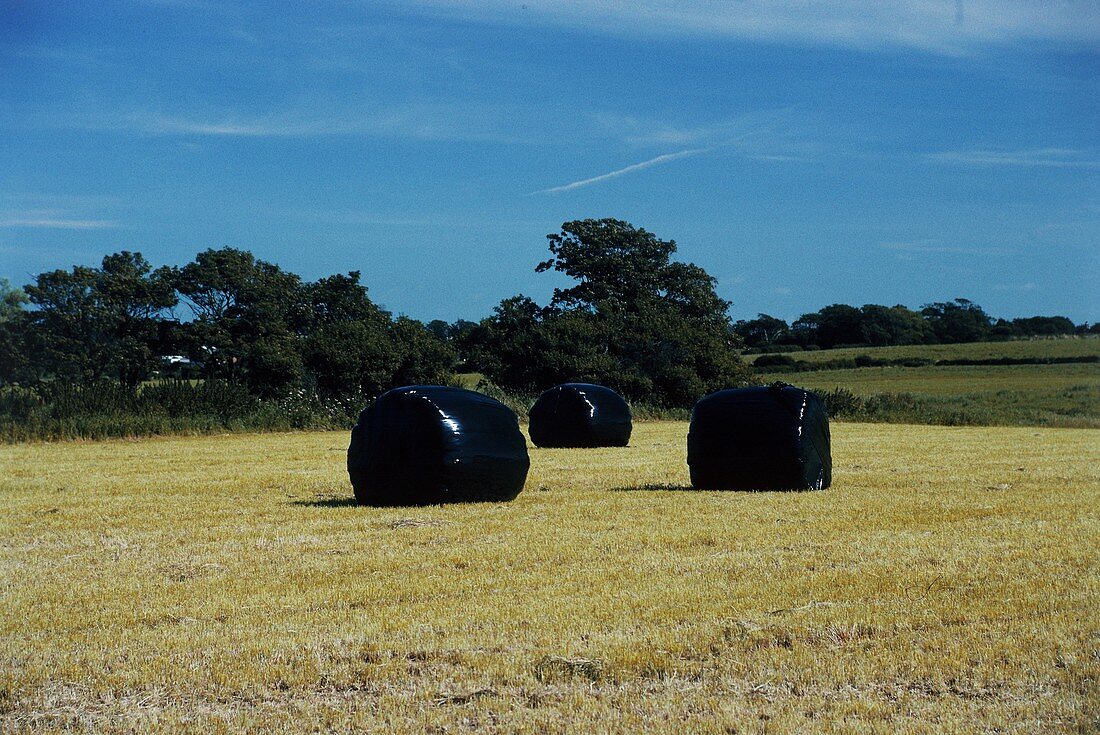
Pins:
x: 948, y: 582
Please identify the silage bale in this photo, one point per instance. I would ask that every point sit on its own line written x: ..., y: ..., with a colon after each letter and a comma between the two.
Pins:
x: 422, y: 445
x: 761, y: 438
x: 580, y: 415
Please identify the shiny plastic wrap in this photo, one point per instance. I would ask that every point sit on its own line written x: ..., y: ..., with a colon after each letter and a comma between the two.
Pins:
x: 762, y: 438
x: 580, y: 415
x: 422, y: 445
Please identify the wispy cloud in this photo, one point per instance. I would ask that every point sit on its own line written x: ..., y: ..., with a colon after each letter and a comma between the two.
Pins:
x: 423, y: 121
x: 61, y: 224
x: 647, y: 131
x: 656, y: 160
x: 776, y: 157
x: 940, y: 27
x: 164, y: 125
x: 933, y: 246
x: 53, y: 219
x: 639, y: 131
x: 1045, y: 157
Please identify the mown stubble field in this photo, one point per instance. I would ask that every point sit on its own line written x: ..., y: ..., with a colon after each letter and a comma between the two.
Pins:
x: 949, y: 581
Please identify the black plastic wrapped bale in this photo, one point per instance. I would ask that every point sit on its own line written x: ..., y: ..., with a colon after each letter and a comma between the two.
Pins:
x: 764, y: 438
x: 580, y: 415
x: 428, y: 444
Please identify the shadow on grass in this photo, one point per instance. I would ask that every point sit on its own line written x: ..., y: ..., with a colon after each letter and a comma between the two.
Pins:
x: 654, y: 487
x: 326, y: 502
x: 670, y: 488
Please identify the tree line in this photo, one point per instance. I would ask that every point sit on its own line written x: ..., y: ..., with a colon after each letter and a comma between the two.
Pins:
x: 873, y: 325
x: 635, y: 319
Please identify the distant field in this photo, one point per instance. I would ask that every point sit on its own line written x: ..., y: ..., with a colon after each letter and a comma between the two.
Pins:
x: 1034, y: 348
x: 948, y: 582
x: 953, y: 380
x: 993, y: 395
x: 1062, y: 395
x: 1066, y: 395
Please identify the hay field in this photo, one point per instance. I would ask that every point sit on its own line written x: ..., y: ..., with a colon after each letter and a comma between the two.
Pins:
x: 948, y: 582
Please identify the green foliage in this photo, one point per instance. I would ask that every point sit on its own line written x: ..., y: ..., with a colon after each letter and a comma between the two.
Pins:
x: 1041, y: 325
x: 833, y: 325
x: 841, y: 402
x: 19, y: 346
x: 108, y: 409
x: 780, y: 361
x: 273, y: 363
x: 300, y: 354
x: 960, y: 320
x: 653, y: 329
x: 517, y: 402
x: 355, y: 348
x: 614, y: 263
x: 763, y: 330
x: 246, y: 314
x: 12, y: 300
x: 894, y: 325
x: 179, y: 398
x: 422, y: 358
x: 342, y: 298
x: 1074, y: 406
x: 350, y: 356
x: 871, y: 324
x: 97, y: 323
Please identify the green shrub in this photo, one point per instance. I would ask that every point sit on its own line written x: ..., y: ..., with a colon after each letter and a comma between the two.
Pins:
x: 518, y: 403
x: 181, y: 398
x: 58, y: 411
x: 64, y: 400
x: 776, y: 360
x: 19, y: 403
x: 841, y: 402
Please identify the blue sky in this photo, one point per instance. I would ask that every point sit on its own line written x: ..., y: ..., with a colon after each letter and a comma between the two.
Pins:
x: 804, y: 154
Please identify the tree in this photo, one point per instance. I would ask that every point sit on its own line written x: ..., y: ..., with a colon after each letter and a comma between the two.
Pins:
x: 12, y: 300
x: 248, y: 314
x: 14, y: 325
x: 837, y: 324
x: 348, y: 348
x: 654, y: 329
x: 960, y: 320
x: 342, y: 298
x: 618, y: 266
x: 763, y: 330
x: 94, y: 323
x: 440, y: 328
x: 502, y: 344
x: 349, y: 358
x: 1043, y: 325
x: 893, y: 325
x: 423, y: 359
x: 355, y: 348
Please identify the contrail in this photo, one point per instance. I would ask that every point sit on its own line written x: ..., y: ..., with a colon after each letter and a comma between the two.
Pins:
x: 619, y: 172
